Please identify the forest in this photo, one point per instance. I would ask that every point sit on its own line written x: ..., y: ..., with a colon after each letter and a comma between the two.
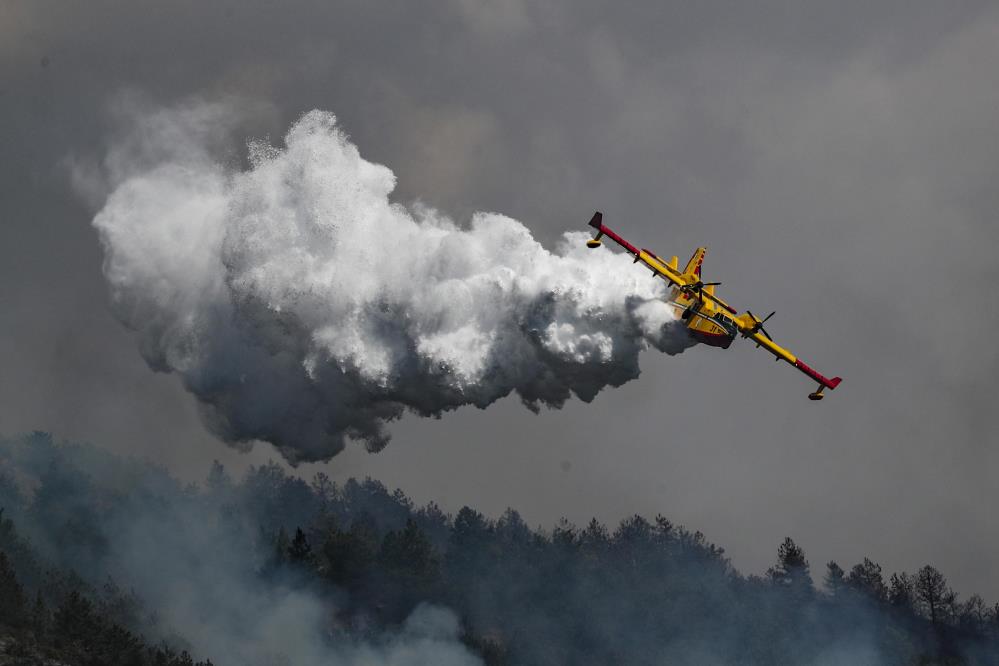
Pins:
x: 111, y: 560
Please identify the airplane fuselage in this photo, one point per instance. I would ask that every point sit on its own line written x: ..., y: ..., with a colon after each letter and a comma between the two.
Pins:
x: 709, y: 319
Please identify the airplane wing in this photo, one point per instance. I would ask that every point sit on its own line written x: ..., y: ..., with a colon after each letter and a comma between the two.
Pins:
x: 667, y: 270
x: 657, y: 265
x: 752, y: 327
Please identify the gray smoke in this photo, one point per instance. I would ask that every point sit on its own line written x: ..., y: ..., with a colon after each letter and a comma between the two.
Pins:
x: 190, y: 560
x: 301, y: 306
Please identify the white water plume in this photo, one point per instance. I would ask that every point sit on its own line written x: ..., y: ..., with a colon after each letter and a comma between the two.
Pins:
x: 301, y: 306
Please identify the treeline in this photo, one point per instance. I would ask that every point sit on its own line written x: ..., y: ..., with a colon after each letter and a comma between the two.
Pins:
x: 644, y: 592
x: 60, y: 618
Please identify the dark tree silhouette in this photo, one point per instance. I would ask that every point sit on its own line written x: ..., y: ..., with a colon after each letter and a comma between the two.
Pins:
x: 12, y: 602
x: 792, y: 567
x: 39, y: 616
x: 901, y: 591
x: 74, y: 619
x: 299, y: 551
x: 934, y: 598
x: 643, y: 592
x: 346, y: 557
x: 834, y: 580
x: 325, y: 491
x: 973, y: 615
x: 280, y: 551
x: 866, y: 578
x: 409, y: 552
x: 218, y: 480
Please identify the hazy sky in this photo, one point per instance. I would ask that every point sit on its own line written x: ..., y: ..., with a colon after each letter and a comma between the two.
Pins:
x: 840, y: 160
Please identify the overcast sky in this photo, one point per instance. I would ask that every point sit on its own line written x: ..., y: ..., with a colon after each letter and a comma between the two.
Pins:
x: 840, y: 160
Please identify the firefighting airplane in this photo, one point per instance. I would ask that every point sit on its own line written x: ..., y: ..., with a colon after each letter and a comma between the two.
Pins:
x: 709, y: 319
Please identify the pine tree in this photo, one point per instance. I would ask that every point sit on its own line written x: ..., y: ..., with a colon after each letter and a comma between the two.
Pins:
x: 12, y: 601
x: 410, y: 553
x: 973, y: 614
x: 595, y: 537
x: 933, y: 595
x: 281, y: 545
x: 218, y: 482
x: 325, y: 491
x: 834, y: 580
x: 74, y: 619
x: 346, y: 557
x: 565, y: 536
x: 300, y: 552
x: 792, y: 567
x: 901, y: 592
x: 39, y: 617
x: 866, y: 578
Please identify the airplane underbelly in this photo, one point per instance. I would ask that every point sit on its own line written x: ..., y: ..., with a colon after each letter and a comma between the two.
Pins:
x: 722, y: 340
x: 708, y: 333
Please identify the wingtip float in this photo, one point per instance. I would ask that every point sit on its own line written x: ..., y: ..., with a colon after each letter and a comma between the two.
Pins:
x: 709, y: 319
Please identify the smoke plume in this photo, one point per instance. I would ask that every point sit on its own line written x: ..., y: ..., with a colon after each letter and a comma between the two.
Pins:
x: 192, y: 563
x: 302, y: 306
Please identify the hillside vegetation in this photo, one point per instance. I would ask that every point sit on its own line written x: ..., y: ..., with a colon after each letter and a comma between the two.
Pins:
x: 105, y: 560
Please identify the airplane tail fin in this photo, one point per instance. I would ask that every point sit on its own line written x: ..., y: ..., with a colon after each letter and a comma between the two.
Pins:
x: 694, y: 265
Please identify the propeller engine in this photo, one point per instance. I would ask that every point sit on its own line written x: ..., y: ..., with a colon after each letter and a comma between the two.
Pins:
x: 697, y: 288
x: 758, y: 326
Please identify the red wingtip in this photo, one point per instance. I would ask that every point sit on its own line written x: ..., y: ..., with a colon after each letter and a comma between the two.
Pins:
x: 597, y: 220
x: 828, y: 383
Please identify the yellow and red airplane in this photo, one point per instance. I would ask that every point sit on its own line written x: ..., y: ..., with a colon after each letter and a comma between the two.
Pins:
x: 709, y: 319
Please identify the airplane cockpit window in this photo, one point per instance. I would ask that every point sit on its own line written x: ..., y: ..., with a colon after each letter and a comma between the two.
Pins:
x: 727, y: 324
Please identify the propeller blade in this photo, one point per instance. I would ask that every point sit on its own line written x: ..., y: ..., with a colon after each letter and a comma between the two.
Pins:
x: 763, y: 330
x: 758, y: 326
